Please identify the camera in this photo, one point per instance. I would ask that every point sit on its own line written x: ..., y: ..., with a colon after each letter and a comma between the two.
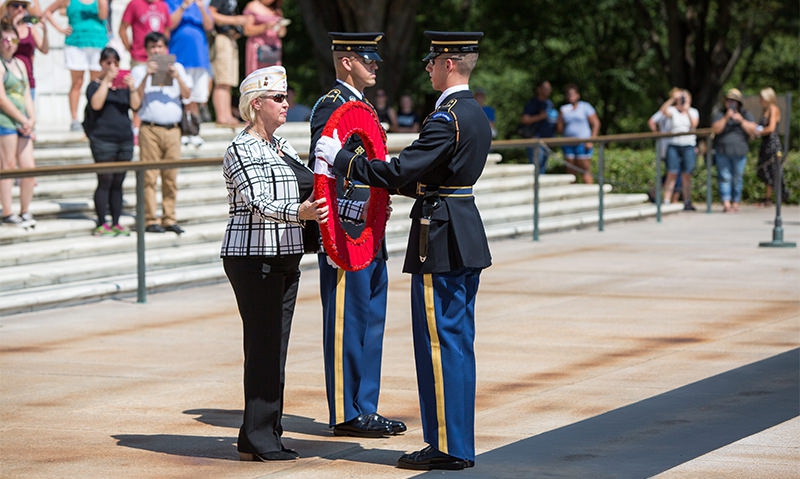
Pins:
x: 682, y: 100
x: 30, y: 19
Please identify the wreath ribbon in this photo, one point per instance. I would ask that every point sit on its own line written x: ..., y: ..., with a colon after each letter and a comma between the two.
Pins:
x: 353, y: 254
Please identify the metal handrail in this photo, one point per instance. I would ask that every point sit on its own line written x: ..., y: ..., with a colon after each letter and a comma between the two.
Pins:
x: 536, y: 143
x: 139, y: 168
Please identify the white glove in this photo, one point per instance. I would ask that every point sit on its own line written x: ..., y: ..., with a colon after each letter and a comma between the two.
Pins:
x: 331, y: 263
x: 322, y: 168
x: 327, y: 148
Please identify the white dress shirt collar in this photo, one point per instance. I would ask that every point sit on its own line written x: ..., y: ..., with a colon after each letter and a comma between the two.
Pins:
x: 450, y: 91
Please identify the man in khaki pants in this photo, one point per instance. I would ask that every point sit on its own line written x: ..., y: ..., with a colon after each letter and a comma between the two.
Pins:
x: 161, y: 85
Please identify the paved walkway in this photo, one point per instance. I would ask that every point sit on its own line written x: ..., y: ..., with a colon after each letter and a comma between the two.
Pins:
x: 667, y: 350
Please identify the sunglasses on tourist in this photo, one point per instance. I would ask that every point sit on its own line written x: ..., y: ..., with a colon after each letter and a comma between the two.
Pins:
x: 17, y: 5
x: 10, y: 40
x: 277, y: 97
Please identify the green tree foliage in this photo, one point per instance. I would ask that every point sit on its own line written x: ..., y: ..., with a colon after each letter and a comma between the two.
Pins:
x: 623, y: 54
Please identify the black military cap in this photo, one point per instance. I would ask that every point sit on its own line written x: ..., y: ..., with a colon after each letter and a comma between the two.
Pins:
x: 363, y: 44
x: 452, y: 42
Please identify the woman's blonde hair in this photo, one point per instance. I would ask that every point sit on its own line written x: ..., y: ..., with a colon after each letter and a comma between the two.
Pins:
x: 246, y: 106
x: 768, y: 95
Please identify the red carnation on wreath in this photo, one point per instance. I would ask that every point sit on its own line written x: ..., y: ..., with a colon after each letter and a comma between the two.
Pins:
x: 353, y: 254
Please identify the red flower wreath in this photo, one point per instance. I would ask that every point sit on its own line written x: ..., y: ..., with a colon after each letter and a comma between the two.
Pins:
x: 353, y: 254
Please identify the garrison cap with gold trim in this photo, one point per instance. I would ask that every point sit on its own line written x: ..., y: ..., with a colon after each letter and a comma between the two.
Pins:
x: 265, y: 79
x: 362, y: 44
x: 452, y: 43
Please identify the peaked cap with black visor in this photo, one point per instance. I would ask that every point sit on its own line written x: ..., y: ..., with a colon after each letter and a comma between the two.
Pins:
x: 452, y: 43
x: 364, y: 45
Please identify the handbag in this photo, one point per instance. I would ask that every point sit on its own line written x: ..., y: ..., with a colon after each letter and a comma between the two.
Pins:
x: 190, y: 123
x: 268, y: 55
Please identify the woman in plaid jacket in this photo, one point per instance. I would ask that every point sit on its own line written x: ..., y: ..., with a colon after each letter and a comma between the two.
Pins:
x: 272, y: 210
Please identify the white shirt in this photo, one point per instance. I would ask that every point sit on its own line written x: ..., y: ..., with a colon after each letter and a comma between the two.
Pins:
x: 679, y: 123
x: 449, y: 92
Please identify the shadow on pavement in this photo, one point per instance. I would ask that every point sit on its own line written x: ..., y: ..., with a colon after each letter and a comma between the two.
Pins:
x: 233, y: 418
x: 659, y: 433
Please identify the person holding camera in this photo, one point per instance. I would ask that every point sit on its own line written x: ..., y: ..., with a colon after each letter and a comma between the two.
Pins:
x: 228, y: 28
x: 732, y: 126
x: 681, y: 152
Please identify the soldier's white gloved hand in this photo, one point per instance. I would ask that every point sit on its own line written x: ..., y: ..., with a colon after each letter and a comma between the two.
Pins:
x: 322, y: 168
x: 330, y: 262
x: 327, y: 148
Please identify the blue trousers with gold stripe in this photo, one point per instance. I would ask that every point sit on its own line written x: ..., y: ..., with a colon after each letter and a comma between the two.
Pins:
x: 443, y: 320
x: 354, y: 315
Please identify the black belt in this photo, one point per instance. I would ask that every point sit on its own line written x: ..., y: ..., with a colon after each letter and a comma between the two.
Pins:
x: 168, y: 126
x: 445, y: 191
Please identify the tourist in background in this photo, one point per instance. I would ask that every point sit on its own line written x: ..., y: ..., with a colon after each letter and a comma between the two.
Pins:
x: 17, y: 120
x: 229, y: 27
x: 578, y: 119
x: 770, y: 153
x: 732, y: 127
x: 108, y: 127
x: 264, y: 46
x: 538, y: 120
x: 680, y: 117
x: 407, y: 120
x: 86, y: 34
x: 32, y: 34
x: 190, y: 23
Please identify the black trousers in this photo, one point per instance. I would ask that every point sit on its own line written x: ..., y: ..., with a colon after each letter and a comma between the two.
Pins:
x: 266, y: 291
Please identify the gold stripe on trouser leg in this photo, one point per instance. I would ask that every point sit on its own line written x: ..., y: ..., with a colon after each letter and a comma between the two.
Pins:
x: 338, y: 346
x: 436, y: 360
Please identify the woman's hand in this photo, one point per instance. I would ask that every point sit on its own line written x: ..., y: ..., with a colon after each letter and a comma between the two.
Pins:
x: 315, y: 210
x: 26, y: 127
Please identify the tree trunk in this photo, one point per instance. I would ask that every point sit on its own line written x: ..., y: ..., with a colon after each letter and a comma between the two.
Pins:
x: 393, y: 17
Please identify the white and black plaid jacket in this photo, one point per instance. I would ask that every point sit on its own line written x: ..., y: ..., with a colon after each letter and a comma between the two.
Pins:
x: 264, y: 200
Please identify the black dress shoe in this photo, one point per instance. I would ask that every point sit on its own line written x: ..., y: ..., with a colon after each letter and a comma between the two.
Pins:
x: 363, y: 426
x: 431, y: 458
x: 174, y: 228
x: 397, y: 427
x: 155, y: 228
x: 282, y: 455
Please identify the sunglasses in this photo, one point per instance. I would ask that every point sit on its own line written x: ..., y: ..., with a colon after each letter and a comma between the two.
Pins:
x: 366, y: 61
x: 277, y: 97
x: 17, y: 5
x: 10, y: 40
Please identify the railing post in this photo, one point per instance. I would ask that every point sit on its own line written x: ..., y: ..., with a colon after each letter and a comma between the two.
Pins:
x: 536, y: 164
x: 601, y: 166
x: 777, y: 230
x: 658, y: 194
x: 141, y: 284
x: 709, y: 160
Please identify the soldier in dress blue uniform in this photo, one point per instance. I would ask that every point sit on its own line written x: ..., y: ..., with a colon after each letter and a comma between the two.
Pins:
x: 353, y: 303
x: 447, y: 247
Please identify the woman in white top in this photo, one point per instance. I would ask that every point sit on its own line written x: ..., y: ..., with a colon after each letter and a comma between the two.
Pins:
x: 681, y: 153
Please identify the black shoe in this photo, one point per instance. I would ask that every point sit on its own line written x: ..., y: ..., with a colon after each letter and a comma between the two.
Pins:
x: 689, y: 207
x: 363, y: 426
x: 155, y: 228
x: 397, y: 427
x: 431, y: 458
x: 282, y: 455
x: 174, y: 228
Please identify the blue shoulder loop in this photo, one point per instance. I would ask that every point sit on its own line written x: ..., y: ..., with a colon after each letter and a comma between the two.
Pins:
x: 442, y: 115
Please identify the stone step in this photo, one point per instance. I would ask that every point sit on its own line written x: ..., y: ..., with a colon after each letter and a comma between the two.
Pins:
x: 209, y: 270
x: 59, y: 262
